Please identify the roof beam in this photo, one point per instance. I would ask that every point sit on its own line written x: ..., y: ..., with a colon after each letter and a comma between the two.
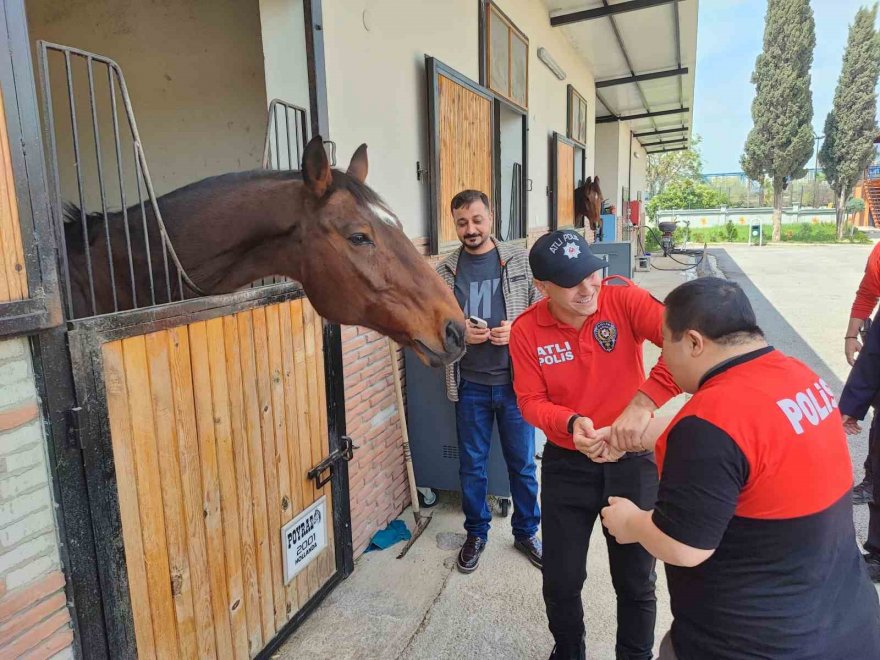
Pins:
x: 666, y: 151
x: 637, y: 77
x: 654, y: 144
x: 602, y: 12
x: 661, y: 132
x: 607, y: 119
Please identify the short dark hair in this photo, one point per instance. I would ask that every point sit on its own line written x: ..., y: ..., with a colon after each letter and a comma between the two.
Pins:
x: 468, y: 197
x: 717, y: 309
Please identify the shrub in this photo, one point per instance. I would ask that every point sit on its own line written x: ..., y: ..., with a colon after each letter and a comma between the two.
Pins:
x: 730, y: 233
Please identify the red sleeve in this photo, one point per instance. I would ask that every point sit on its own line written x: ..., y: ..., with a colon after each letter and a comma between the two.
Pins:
x: 531, y: 389
x: 869, y: 288
x: 646, y: 313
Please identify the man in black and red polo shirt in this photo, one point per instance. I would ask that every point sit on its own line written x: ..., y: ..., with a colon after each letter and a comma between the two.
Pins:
x: 754, y: 516
x: 577, y: 361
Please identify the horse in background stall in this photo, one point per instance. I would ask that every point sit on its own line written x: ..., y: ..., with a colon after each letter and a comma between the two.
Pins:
x: 588, y: 204
x: 322, y: 227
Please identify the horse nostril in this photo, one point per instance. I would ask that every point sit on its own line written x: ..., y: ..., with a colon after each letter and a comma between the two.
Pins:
x: 454, y: 335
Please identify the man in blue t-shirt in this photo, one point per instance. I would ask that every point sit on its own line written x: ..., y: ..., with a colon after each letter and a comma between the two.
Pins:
x: 493, y: 283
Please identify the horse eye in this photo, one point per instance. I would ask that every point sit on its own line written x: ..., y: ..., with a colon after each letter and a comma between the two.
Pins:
x: 360, y: 239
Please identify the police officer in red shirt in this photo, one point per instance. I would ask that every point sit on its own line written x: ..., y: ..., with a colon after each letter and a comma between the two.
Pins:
x: 753, y: 518
x: 860, y: 320
x: 577, y: 362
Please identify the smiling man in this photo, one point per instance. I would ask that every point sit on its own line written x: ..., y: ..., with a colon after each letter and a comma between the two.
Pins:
x: 492, y: 282
x: 753, y: 517
x: 577, y: 360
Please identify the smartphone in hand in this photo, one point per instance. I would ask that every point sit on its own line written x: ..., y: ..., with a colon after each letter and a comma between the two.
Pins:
x: 478, y: 322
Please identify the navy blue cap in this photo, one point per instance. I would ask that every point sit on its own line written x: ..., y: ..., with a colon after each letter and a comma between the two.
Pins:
x: 564, y: 258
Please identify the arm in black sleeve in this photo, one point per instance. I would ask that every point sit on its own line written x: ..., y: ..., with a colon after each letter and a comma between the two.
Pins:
x: 863, y: 384
x: 704, y: 471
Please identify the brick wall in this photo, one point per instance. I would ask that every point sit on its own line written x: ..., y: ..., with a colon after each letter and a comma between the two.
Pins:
x: 377, y: 477
x: 34, y: 620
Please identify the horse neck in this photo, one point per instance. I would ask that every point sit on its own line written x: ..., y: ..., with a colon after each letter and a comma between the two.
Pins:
x: 244, y: 233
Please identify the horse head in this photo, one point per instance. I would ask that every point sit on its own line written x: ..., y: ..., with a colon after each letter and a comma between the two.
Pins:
x: 588, y: 203
x: 358, y: 267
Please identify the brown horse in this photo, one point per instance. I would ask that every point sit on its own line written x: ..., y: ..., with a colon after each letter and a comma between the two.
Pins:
x: 322, y: 227
x: 588, y: 203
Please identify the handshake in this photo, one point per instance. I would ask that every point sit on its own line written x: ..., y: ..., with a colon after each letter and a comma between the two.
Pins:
x: 606, y: 445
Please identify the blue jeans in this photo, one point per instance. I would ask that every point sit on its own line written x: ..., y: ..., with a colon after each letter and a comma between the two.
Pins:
x: 478, y: 408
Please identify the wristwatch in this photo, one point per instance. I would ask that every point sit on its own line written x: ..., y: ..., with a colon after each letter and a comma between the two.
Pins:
x: 571, y: 421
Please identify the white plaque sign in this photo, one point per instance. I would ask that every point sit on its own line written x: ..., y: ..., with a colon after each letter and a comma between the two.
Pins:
x: 303, y: 538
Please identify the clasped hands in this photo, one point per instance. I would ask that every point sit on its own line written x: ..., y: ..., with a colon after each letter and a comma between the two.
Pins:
x: 609, y: 443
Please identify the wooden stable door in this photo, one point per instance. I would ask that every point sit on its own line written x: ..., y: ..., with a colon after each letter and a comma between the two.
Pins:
x: 562, y: 167
x: 13, y: 277
x: 460, y: 143
x: 214, y: 427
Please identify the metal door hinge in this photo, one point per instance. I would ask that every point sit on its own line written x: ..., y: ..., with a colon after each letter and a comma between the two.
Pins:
x: 72, y: 423
x: 344, y: 453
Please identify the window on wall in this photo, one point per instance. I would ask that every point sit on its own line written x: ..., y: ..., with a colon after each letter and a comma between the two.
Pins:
x: 506, y: 52
x: 577, y: 116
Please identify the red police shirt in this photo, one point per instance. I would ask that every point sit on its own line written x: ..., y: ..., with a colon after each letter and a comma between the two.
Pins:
x: 869, y: 288
x: 756, y: 467
x: 559, y: 371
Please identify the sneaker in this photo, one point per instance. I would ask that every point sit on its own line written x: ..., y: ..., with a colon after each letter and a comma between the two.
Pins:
x: 532, y: 549
x: 863, y: 493
x: 469, y: 555
x: 872, y: 563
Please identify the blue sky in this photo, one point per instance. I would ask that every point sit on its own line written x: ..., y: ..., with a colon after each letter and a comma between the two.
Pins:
x: 729, y: 39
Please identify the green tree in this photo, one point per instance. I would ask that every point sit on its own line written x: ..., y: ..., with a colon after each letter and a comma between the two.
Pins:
x: 665, y: 168
x: 686, y: 194
x: 781, y: 140
x: 851, y: 127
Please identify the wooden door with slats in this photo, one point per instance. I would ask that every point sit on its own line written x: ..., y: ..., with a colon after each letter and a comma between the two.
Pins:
x: 461, y: 145
x: 562, y: 169
x: 214, y: 425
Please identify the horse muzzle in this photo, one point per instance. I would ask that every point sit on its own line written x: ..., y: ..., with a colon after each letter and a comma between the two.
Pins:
x: 453, y: 346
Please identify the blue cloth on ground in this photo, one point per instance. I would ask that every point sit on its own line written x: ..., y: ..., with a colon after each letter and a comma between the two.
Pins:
x: 395, y: 532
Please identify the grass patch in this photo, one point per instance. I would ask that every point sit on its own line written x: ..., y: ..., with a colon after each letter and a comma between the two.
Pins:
x: 731, y: 233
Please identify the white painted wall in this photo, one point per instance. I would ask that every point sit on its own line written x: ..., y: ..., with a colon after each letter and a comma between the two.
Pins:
x: 607, y: 161
x: 377, y: 89
x: 639, y: 171
x: 194, y: 69
x: 616, y: 166
x: 511, y: 152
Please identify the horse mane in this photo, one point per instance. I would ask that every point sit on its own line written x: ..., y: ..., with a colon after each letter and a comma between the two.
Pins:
x: 72, y: 214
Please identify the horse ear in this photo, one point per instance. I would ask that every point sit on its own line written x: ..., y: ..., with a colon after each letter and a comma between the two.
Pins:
x: 316, y: 167
x: 358, y: 166
x: 588, y: 182
x: 596, y: 181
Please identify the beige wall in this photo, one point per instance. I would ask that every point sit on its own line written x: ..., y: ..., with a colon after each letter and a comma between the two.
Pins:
x: 284, y: 51
x: 377, y: 90
x: 194, y: 69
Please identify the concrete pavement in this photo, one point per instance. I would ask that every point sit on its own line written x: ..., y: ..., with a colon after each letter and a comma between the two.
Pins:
x: 421, y: 607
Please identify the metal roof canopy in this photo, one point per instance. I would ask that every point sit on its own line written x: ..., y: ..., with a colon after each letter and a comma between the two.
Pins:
x: 643, y: 54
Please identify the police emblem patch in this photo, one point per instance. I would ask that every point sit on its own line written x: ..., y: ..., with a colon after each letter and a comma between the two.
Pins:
x: 605, y: 333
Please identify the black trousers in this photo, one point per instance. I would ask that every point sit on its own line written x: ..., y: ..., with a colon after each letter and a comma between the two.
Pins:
x: 573, y: 491
x: 872, y: 545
